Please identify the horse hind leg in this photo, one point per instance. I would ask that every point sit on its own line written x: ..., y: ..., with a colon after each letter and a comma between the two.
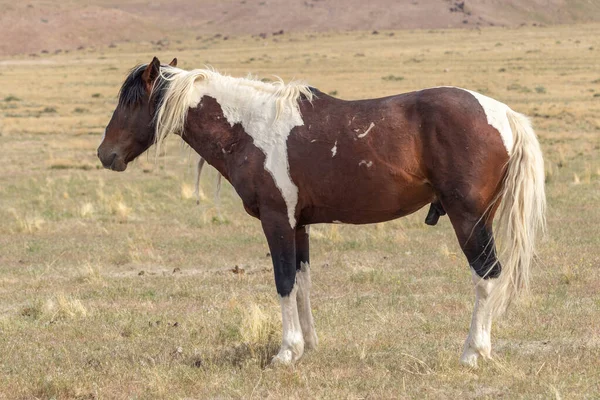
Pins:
x: 478, y: 342
x: 485, y: 269
x: 474, y: 232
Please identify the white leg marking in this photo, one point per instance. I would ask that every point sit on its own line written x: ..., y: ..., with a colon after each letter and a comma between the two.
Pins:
x: 478, y: 342
x: 292, y: 345
x: 304, y: 311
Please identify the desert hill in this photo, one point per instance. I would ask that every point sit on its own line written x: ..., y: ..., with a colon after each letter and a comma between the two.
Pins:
x: 37, y: 25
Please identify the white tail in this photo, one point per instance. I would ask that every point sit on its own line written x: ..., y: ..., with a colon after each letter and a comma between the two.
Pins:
x: 521, y: 215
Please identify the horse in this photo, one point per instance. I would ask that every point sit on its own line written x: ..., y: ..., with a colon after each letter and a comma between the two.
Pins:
x: 297, y: 156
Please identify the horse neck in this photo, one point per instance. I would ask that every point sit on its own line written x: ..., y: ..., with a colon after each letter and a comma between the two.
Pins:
x: 209, y: 133
x: 217, y: 135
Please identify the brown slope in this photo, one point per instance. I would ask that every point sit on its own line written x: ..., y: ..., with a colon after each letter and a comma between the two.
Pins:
x: 37, y: 25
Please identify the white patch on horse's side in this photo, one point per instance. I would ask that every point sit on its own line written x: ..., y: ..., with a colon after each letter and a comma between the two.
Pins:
x: 367, y: 163
x: 292, y: 343
x: 266, y: 118
x: 334, y: 149
x: 314, y: 140
x: 362, y: 135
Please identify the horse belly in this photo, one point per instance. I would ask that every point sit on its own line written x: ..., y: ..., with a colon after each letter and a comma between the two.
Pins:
x: 363, y: 201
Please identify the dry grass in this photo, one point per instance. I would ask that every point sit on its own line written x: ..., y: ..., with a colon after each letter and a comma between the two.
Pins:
x: 120, y: 286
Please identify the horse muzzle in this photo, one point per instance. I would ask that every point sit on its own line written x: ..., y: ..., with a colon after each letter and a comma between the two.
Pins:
x: 112, y: 161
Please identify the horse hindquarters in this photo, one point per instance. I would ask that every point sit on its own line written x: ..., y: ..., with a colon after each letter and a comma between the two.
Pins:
x: 471, y: 195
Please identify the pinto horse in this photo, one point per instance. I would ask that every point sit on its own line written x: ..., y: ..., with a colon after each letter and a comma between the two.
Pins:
x: 297, y: 157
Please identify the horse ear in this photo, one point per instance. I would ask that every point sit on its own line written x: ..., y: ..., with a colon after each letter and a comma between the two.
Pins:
x: 173, y: 63
x: 151, y: 73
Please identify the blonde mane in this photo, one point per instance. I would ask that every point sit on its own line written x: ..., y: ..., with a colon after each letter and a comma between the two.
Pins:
x: 184, y: 90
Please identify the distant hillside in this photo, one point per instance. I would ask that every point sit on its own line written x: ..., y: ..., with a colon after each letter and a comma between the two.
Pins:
x: 36, y: 25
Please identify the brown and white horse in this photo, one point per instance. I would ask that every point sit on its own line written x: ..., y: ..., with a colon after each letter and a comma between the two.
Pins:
x: 297, y: 157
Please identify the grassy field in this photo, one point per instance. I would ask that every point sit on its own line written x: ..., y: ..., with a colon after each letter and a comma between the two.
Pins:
x: 121, y: 286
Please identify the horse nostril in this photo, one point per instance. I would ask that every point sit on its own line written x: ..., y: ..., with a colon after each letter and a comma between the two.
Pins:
x: 107, y: 161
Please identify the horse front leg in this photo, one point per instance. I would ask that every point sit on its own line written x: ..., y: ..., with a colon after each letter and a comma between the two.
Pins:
x: 281, y: 238
x: 304, y: 286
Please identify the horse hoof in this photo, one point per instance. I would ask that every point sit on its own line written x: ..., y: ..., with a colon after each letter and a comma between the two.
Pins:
x: 469, y: 358
x: 283, y: 358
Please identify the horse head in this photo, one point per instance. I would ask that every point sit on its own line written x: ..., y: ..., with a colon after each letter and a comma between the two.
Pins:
x: 131, y: 130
